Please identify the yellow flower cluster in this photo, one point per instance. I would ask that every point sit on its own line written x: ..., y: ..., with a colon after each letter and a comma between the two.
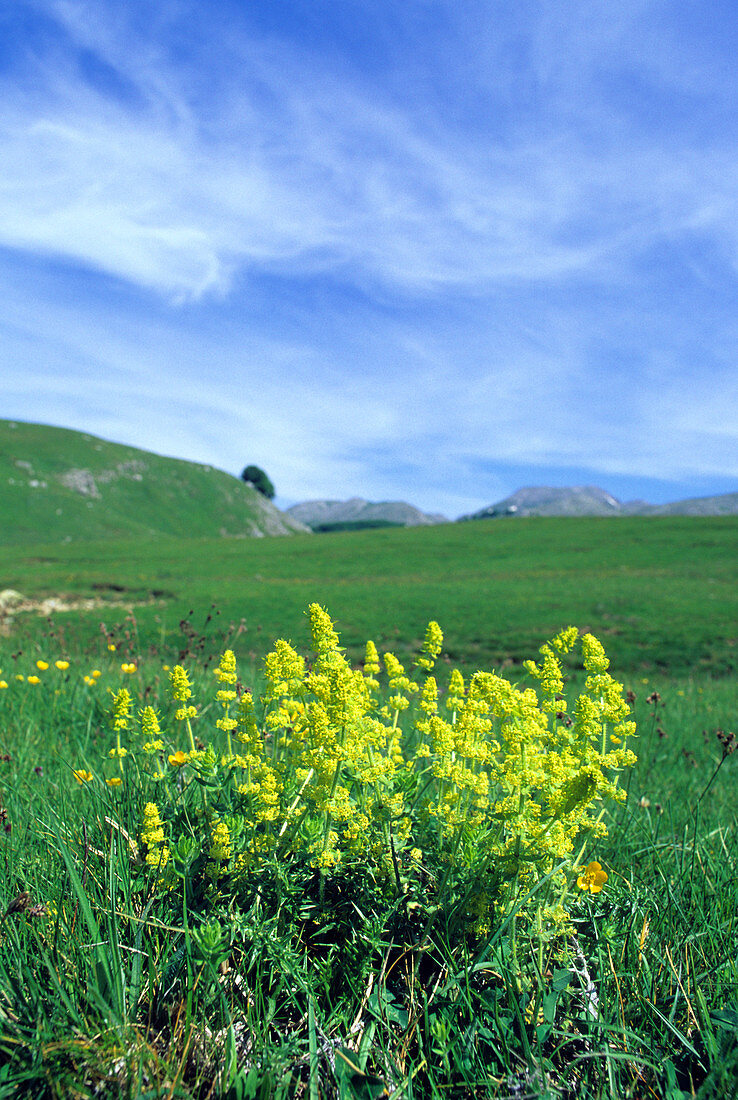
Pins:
x: 220, y: 849
x: 152, y: 835
x: 226, y: 674
x: 496, y: 781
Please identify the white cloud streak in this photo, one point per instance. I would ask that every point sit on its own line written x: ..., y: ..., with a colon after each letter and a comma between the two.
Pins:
x: 307, y: 169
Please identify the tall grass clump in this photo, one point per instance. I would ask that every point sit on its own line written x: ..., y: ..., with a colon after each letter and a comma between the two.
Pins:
x: 344, y: 881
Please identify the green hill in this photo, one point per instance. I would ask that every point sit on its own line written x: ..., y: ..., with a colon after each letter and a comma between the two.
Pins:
x: 58, y: 485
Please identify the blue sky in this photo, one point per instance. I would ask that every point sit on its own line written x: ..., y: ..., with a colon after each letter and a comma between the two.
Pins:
x: 431, y: 251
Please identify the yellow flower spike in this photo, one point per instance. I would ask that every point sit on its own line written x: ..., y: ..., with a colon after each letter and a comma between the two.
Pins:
x: 42, y: 665
x: 178, y: 759
x: 118, y: 753
x: 432, y: 645
x: 62, y: 665
x: 220, y: 849
x: 152, y: 835
x: 371, y: 660
x: 121, y: 710
x: 34, y: 680
x: 180, y: 684
x: 593, y: 655
x: 593, y: 878
x: 150, y: 724
x: 321, y: 628
x: 82, y: 776
x: 181, y: 690
x: 226, y: 670
x: 226, y: 674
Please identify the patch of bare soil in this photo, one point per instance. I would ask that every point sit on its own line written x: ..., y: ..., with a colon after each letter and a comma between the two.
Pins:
x: 14, y: 603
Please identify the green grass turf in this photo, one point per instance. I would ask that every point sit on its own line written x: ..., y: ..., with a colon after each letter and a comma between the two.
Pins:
x: 89, y: 997
x: 661, y: 593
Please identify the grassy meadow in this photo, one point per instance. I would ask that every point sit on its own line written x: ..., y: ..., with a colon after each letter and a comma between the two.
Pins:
x: 660, y: 592
x: 414, y: 966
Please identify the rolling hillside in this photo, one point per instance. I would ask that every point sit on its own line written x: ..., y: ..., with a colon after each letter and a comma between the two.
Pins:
x: 58, y: 485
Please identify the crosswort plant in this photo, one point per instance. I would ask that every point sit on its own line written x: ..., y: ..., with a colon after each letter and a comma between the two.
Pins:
x: 464, y: 806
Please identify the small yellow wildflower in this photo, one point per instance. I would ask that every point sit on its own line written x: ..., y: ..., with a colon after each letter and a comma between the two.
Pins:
x: 3, y: 684
x: 118, y: 753
x: 62, y: 665
x: 19, y: 676
x: 112, y: 647
x: 42, y: 665
x: 177, y: 759
x: 114, y: 782
x: 34, y: 680
x: 96, y: 674
x: 593, y: 878
x: 128, y: 667
x: 82, y: 776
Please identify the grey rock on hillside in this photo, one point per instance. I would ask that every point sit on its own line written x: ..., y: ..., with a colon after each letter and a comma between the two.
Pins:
x: 357, y: 512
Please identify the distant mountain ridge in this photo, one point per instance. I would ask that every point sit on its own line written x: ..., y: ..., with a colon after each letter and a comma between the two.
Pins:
x: 589, y: 500
x: 59, y: 485
x: 324, y: 515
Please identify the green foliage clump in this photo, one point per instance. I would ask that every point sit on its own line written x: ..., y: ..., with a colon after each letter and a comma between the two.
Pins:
x: 254, y: 475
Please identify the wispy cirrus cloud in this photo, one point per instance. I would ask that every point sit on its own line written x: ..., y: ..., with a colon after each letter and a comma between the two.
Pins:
x: 127, y: 165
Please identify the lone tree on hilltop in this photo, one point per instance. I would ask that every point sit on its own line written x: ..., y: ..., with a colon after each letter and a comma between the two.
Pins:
x: 255, y: 476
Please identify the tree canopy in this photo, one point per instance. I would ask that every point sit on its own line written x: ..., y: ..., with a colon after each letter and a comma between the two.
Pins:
x: 255, y: 476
